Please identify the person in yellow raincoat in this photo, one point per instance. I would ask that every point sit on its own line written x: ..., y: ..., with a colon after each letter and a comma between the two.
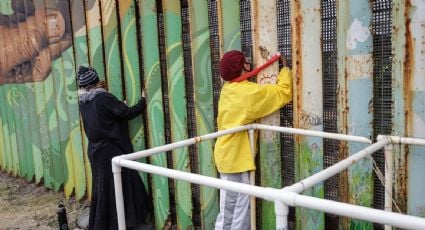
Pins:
x: 242, y: 103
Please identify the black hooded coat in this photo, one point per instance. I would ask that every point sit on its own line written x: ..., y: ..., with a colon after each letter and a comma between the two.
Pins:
x: 105, y: 120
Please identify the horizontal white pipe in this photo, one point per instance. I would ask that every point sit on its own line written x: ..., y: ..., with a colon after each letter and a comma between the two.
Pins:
x: 289, y: 198
x: 187, y: 142
x: 335, y: 136
x: 403, y: 140
x: 179, y: 144
x: 197, y: 179
x: 336, y: 168
x: 362, y: 213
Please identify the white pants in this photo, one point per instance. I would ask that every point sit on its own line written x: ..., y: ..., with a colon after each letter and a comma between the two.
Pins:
x: 234, y: 207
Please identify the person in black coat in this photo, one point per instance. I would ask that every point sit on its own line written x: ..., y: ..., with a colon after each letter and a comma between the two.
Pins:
x: 105, y: 120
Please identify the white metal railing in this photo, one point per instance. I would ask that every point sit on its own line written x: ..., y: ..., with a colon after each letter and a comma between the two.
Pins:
x: 283, y: 198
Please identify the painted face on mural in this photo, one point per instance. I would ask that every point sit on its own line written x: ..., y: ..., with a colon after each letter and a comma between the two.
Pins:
x: 34, y: 35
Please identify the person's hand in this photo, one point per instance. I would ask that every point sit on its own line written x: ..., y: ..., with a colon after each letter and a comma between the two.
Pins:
x: 284, y: 61
x: 144, y: 93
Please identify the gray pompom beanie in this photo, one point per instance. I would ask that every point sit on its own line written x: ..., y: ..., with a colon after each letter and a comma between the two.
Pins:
x: 87, y: 76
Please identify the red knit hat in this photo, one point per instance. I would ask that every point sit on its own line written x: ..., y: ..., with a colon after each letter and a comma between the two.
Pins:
x: 231, y: 64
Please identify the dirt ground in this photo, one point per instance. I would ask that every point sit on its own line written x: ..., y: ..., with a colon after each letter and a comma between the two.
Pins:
x: 24, y: 205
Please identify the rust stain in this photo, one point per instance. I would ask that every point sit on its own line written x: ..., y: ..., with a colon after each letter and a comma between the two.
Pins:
x: 298, y: 67
x: 409, y: 66
x: 401, y: 178
x: 343, y: 181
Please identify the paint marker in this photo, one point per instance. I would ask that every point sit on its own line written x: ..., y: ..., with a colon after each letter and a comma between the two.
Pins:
x: 257, y: 70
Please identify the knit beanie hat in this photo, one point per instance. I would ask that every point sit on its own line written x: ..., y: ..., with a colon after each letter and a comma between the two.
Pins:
x: 87, y: 76
x: 231, y: 64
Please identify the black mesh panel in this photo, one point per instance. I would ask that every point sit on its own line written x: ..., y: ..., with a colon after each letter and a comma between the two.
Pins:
x: 193, y: 149
x: 382, y: 90
x: 165, y: 102
x: 286, y: 114
x: 215, y: 54
x: 330, y: 106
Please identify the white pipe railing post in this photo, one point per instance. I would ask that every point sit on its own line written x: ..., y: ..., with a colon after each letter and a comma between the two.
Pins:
x: 252, y: 179
x: 281, y: 210
x: 388, y: 179
x: 119, y: 198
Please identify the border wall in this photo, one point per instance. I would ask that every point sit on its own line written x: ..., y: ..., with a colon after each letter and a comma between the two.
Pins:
x: 358, y: 69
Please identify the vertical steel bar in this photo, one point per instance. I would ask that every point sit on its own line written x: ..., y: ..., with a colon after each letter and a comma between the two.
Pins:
x: 203, y: 98
x: 308, y: 103
x: 155, y: 115
x: 355, y: 93
x: 177, y: 108
x: 79, y: 32
x: 74, y: 149
x: 111, y: 45
x: 399, y: 69
x: 415, y: 104
x: 94, y: 36
x: 264, y: 20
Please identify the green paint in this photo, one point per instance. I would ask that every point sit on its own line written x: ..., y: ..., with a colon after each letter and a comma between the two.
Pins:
x: 61, y: 110
x: 231, y: 37
x: 46, y: 150
x: 360, y: 182
x: 6, y: 7
x: 270, y: 170
x: 55, y: 145
x: 35, y: 133
x: 2, y: 147
x: 112, y: 52
x: 309, y: 162
x: 202, y: 76
x: 14, y: 97
x: 12, y: 131
x: 22, y: 108
x: 6, y: 132
x: 177, y: 108
x: 155, y: 116
x: 75, y: 136
x: 95, y: 48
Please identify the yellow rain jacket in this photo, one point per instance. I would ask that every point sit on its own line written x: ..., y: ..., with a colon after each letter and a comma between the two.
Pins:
x: 242, y: 103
